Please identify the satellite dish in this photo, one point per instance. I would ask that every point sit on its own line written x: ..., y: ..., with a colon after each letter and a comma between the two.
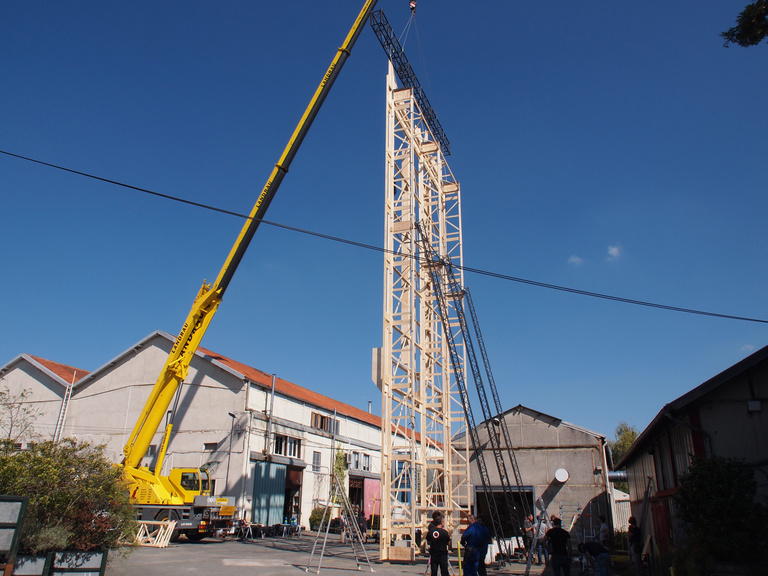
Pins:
x: 561, y: 475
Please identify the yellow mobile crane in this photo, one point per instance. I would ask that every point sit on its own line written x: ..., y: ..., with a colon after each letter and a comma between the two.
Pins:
x: 184, y: 495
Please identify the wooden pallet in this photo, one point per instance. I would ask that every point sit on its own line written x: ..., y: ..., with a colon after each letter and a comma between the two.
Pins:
x: 156, y: 534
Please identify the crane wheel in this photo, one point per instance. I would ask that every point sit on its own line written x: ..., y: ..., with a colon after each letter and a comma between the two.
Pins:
x: 164, y: 515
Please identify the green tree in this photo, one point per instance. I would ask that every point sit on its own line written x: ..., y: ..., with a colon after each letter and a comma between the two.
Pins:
x: 77, y: 498
x: 340, y: 466
x: 721, y: 518
x: 625, y: 436
x: 751, y: 26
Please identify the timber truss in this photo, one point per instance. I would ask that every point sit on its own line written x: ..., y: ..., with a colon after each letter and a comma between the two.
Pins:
x: 425, y: 457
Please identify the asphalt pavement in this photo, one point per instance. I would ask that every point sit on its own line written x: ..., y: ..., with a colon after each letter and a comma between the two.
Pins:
x: 271, y: 557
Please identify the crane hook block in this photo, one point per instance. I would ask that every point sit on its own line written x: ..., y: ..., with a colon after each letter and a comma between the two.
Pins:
x: 412, y: 5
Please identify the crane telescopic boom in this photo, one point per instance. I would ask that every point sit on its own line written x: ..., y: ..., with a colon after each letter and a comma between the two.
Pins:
x: 209, y: 297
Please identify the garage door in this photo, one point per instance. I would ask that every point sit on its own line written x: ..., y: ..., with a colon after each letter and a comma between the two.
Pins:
x: 268, y: 493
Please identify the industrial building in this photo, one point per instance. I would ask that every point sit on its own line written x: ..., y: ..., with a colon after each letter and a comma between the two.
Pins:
x: 563, y: 467
x: 268, y: 442
x: 723, y: 417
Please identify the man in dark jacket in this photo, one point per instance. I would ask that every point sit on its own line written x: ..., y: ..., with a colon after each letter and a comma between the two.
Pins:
x: 484, y: 539
x: 438, y: 540
x: 559, y: 541
x: 470, y: 540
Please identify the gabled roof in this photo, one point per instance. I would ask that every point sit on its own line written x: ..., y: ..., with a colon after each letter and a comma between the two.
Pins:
x: 546, y: 418
x: 68, y: 374
x: 245, y: 372
x: 60, y: 373
x: 551, y: 420
x: 692, y: 395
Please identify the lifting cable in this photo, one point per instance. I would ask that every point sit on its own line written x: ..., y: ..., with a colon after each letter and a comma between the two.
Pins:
x: 403, y: 38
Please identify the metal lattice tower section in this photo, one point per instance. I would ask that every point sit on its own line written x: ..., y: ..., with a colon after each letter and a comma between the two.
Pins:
x: 422, y: 468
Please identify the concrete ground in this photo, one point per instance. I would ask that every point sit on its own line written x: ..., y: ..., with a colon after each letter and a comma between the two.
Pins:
x: 271, y: 557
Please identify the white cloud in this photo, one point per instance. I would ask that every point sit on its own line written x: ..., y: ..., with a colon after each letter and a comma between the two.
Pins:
x: 748, y: 348
x: 575, y: 260
x: 614, y: 252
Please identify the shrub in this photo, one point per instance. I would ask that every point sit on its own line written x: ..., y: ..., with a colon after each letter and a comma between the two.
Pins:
x: 316, y: 517
x: 77, y: 498
x: 722, y: 520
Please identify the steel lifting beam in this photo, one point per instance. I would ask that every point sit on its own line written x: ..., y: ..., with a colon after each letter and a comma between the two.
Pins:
x: 407, y: 76
x: 441, y: 271
x: 495, y: 394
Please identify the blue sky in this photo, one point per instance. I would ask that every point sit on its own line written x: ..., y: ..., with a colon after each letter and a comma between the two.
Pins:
x: 609, y: 147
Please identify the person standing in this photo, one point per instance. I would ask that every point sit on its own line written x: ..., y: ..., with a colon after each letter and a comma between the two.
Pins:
x: 362, y: 524
x: 438, y: 540
x: 468, y: 542
x: 541, y: 546
x: 528, y: 529
x: 484, y: 539
x: 559, y: 541
x: 475, y: 540
x: 604, y: 533
x: 600, y: 556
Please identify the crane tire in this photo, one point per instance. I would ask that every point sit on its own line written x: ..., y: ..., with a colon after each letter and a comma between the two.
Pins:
x: 164, y: 515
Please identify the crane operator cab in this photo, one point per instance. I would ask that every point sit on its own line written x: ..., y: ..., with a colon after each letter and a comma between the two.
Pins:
x: 191, y: 482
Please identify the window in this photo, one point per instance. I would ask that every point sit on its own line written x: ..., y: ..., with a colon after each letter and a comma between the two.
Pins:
x: 325, y: 423
x: 210, y: 446
x: 316, y: 461
x: 287, y: 446
x: 151, y: 451
x: 190, y: 481
x: 355, y: 461
x: 367, y: 462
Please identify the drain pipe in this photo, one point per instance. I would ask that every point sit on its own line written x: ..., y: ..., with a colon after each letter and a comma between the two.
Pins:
x: 617, y: 476
x: 268, y: 439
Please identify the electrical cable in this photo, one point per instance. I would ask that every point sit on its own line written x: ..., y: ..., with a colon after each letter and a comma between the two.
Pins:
x: 357, y: 244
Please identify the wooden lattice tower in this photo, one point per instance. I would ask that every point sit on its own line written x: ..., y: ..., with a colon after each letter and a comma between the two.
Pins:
x: 423, y: 468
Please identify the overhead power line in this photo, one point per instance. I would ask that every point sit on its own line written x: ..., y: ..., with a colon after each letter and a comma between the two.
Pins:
x: 468, y: 269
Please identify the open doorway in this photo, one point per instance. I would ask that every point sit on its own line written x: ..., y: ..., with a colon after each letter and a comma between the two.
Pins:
x: 511, y: 521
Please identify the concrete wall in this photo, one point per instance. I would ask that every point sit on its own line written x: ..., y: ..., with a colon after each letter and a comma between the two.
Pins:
x: 543, y: 445
x: 47, y: 393
x: 105, y: 408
